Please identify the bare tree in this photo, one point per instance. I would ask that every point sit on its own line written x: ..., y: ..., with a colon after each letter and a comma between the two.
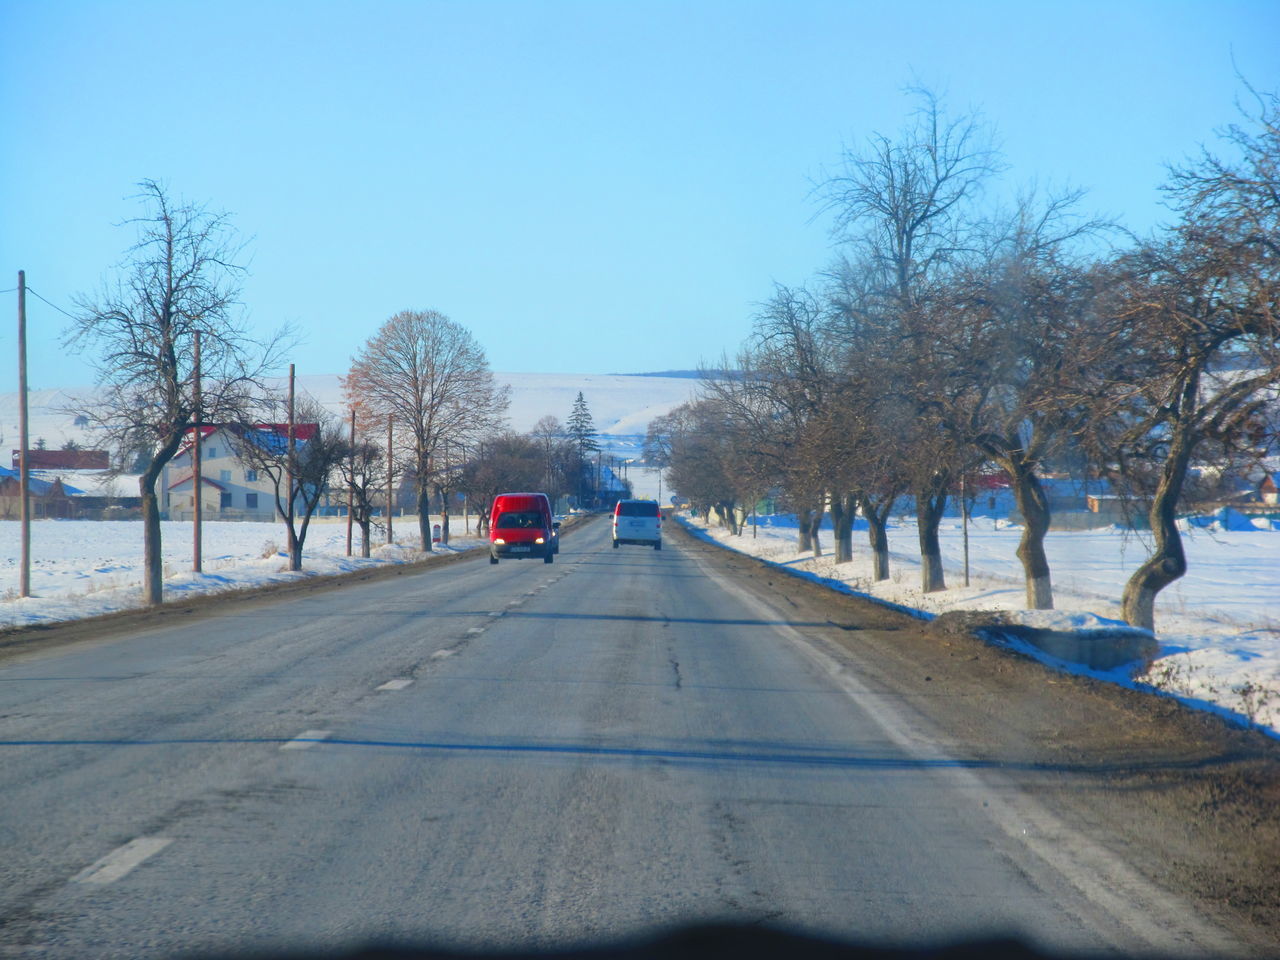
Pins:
x: 299, y: 466
x: 364, y: 472
x: 559, y: 456
x: 906, y: 209
x: 506, y: 462
x: 431, y: 376
x: 1015, y: 340
x: 178, y: 279
x: 1195, y: 329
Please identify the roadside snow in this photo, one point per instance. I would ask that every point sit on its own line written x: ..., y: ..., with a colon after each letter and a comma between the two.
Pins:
x: 1218, y: 627
x: 82, y: 568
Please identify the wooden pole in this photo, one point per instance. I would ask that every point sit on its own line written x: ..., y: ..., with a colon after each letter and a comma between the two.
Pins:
x: 964, y: 512
x: 390, y: 473
x: 290, y: 448
x: 351, y: 486
x: 24, y: 473
x: 197, y: 463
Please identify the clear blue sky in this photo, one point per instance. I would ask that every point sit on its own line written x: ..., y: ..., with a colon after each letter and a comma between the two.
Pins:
x: 592, y: 187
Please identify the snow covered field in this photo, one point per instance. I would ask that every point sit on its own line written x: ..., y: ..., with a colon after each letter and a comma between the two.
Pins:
x: 1218, y: 627
x: 82, y: 568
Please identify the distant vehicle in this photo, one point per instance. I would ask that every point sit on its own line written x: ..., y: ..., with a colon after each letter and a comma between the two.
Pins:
x: 639, y: 522
x: 521, y: 527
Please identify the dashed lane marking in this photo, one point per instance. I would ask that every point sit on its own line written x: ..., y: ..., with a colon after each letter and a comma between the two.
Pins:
x: 475, y: 631
x: 122, y: 860
x: 399, y: 683
x: 306, y: 740
x: 441, y: 654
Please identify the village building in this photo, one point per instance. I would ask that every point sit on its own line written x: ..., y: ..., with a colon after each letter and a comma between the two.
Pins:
x: 48, y: 499
x: 231, y: 487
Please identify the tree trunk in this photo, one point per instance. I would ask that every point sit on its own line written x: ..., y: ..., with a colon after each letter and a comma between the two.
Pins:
x: 728, y: 518
x: 1032, y: 503
x: 931, y: 501
x: 365, y: 524
x: 153, y: 561
x: 1167, y: 561
x: 804, y: 537
x: 815, y: 529
x: 844, y: 507
x: 152, y: 555
x: 295, y: 547
x: 877, y: 514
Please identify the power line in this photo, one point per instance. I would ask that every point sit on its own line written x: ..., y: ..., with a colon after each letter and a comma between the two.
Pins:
x: 52, y: 304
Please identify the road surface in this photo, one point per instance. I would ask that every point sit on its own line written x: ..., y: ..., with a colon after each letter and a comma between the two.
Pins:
x: 523, y: 755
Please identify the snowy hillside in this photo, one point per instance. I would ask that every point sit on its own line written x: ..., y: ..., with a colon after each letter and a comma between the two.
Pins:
x: 620, y: 405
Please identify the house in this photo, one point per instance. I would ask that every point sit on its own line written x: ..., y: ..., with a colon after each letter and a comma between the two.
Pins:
x: 48, y: 499
x: 231, y: 489
x: 1267, y: 490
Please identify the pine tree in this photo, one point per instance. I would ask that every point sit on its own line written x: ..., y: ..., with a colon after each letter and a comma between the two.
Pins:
x: 582, y: 428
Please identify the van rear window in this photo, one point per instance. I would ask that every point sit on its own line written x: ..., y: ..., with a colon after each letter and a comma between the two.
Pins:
x: 634, y: 509
x: 519, y: 520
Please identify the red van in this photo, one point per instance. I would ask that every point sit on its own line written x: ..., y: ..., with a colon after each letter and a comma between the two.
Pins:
x: 520, y: 527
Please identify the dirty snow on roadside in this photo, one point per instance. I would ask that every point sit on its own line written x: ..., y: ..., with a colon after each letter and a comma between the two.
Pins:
x: 1218, y: 627
x: 82, y: 568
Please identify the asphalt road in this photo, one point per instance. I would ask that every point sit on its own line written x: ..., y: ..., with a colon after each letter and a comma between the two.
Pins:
x: 521, y: 755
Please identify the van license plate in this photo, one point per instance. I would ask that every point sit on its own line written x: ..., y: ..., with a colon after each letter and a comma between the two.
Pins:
x: 519, y: 549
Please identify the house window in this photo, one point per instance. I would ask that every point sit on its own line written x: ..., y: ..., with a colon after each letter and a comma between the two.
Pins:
x: 251, y: 501
x: 251, y: 476
x: 224, y: 500
x: 224, y: 476
x: 212, y: 452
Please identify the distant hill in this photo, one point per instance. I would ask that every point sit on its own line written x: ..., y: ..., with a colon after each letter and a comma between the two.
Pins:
x: 620, y: 404
x: 683, y: 374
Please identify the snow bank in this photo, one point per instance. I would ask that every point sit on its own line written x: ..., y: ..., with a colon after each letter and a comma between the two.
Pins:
x: 83, y: 568
x: 1218, y: 627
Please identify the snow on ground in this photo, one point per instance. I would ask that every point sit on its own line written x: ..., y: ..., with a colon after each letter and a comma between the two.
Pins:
x: 82, y: 568
x: 1218, y: 627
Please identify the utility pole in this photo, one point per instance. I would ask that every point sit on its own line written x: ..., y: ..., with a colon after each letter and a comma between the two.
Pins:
x: 197, y: 516
x: 445, y: 490
x: 351, y: 485
x: 288, y: 460
x: 24, y: 473
x: 964, y: 511
x: 390, y: 474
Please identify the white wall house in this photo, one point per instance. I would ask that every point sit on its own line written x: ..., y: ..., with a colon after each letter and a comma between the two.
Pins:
x: 231, y: 489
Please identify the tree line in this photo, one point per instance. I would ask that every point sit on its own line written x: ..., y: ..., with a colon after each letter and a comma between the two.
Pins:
x: 952, y: 336
x: 174, y: 354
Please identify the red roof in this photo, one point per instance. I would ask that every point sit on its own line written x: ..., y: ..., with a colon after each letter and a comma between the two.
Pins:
x: 65, y: 460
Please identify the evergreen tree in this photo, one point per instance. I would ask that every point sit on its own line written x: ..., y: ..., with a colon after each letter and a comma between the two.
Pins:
x: 582, y: 428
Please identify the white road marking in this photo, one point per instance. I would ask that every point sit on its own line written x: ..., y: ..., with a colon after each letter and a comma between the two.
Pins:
x: 399, y: 683
x: 120, y: 861
x: 495, y: 613
x: 441, y: 654
x: 1160, y: 919
x: 475, y: 631
x: 306, y: 740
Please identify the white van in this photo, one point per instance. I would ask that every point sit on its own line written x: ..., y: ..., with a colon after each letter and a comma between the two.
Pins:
x: 637, y: 521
